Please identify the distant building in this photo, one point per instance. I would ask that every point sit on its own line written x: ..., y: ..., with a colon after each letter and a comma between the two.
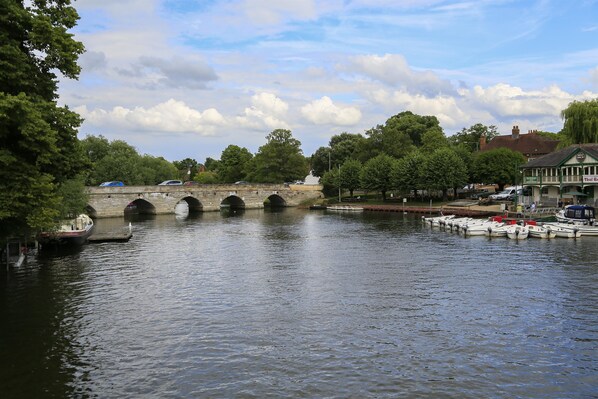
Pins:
x: 531, y: 145
x: 569, y: 175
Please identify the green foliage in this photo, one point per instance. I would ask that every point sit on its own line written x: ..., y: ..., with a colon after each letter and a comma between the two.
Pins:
x: 470, y: 138
x: 444, y: 170
x: 499, y: 166
x: 117, y: 160
x: 207, y: 177
x: 581, y: 122
x: 320, y: 161
x: 375, y: 174
x: 39, y: 150
x: 350, y: 175
x: 212, y: 164
x: 279, y: 160
x: 342, y: 147
x: 234, y: 162
x: 330, y: 182
x: 72, y: 203
x: 433, y: 140
x: 187, y: 168
x: 407, y: 173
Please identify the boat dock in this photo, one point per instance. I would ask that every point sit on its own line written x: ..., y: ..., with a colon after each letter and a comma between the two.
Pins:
x: 123, y: 236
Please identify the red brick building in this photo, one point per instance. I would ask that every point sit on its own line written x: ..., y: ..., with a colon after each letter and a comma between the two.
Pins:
x: 531, y: 145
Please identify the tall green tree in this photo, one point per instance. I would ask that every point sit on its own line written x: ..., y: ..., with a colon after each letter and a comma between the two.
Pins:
x: 234, y: 162
x: 581, y: 122
x: 341, y: 147
x: 375, y: 174
x: 499, y: 166
x: 39, y: 150
x: 407, y: 173
x: 349, y: 175
x: 444, y: 170
x: 279, y: 160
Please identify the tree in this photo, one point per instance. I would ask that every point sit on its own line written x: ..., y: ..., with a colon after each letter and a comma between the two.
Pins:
x: 470, y: 138
x: 413, y: 125
x: 499, y: 166
x: 375, y: 174
x: 330, y: 182
x: 407, y: 173
x: 207, y: 177
x: 444, y: 170
x: 433, y: 140
x: 279, y: 160
x: 581, y: 122
x: 187, y: 168
x: 349, y: 175
x: 39, y: 150
x: 342, y: 147
x: 320, y: 161
x: 234, y: 162
x: 390, y: 141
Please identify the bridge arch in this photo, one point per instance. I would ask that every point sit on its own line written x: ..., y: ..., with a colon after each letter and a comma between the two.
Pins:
x: 275, y: 201
x: 193, y: 204
x: 232, y: 202
x: 140, y: 207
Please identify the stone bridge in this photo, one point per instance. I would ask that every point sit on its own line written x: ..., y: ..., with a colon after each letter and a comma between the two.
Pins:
x: 116, y: 201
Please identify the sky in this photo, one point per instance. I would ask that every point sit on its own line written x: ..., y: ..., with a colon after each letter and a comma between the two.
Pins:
x: 185, y: 79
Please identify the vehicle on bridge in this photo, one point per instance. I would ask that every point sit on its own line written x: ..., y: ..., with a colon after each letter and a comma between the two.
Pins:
x: 112, y: 184
x: 171, y: 183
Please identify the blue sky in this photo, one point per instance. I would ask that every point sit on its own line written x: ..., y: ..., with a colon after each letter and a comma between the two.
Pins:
x: 187, y: 78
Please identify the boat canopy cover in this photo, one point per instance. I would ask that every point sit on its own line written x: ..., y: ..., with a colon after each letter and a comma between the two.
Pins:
x: 580, y: 211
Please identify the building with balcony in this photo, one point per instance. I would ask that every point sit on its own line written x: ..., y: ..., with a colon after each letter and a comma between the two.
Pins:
x: 567, y: 176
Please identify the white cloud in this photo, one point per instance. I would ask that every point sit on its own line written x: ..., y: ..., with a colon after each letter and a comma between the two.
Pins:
x: 324, y: 111
x: 171, y: 116
x: 392, y: 69
x: 266, y: 110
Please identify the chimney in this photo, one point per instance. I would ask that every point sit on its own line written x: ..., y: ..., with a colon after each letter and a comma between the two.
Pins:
x: 482, y: 141
x: 515, y: 132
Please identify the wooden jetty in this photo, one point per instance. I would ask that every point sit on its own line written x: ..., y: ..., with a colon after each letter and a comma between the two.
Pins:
x: 119, y: 236
x: 429, y: 210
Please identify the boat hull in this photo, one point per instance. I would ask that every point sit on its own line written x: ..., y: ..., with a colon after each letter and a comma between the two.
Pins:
x: 72, y: 232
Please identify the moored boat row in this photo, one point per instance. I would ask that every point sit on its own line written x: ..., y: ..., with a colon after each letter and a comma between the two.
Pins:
x: 498, y: 227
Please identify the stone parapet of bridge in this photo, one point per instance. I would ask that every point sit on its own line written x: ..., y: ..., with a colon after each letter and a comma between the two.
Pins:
x: 115, y: 201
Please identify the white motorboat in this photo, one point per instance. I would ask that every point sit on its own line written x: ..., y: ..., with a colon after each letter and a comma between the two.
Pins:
x: 582, y: 214
x: 536, y: 231
x: 344, y: 208
x: 436, y: 221
x: 562, y: 230
x: 456, y: 223
x: 500, y: 230
x: 517, y: 232
x: 479, y: 228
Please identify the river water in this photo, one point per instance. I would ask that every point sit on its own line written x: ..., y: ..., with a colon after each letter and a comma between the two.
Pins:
x: 299, y: 304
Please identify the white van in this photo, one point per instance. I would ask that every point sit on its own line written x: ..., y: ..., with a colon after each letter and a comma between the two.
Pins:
x: 508, y: 193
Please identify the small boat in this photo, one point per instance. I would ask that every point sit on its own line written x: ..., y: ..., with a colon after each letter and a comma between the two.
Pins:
x: 344, y: 208
x: 71, y: 232
x: 499, y: 230
x: 479, y: 228
x: 540, y: 231
x: 564, y: 231
x: 582, y: 214
x: 517, y: 232
x: 437, y: 221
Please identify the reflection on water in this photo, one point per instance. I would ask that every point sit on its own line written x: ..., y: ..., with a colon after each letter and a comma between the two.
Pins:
x: 298, y: 304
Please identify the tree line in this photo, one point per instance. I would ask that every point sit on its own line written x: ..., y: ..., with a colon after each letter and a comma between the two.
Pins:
x: 44, y: 167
